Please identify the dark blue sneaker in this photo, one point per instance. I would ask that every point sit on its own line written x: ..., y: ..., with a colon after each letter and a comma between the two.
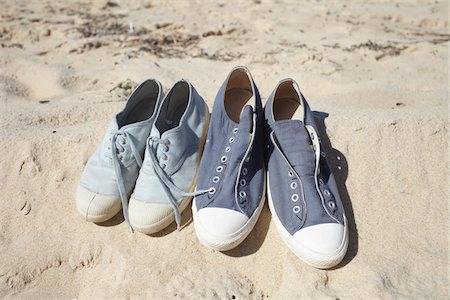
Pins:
x: 232, y: 166
x: 302, y: 192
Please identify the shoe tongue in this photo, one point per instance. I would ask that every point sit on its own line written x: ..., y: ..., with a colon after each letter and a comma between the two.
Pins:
x: 114, y: 125
x: 243, y: 134
x: 246, y: 120
x: 155, y: 132
x: 296, y: 144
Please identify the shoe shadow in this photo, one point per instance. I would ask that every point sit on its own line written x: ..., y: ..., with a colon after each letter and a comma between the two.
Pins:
x: 186, y: 220
x: 256, y: 238
x: 339, y: 167
x: 116, y: 220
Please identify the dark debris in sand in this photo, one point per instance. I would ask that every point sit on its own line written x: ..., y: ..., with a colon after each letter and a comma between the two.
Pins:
x: 164, y: 40
x: 389, y: 49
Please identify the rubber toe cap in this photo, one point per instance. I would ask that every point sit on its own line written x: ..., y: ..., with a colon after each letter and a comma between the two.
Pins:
x: 324, y: 238
x: 95, y: 207
x: 221, y: 221
x: 149, y: 217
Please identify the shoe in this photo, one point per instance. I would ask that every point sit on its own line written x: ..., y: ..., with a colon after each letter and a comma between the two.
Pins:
x: 232, y: 166
x: 110, y: 174
x: 169, y: 173
x: 302, y: 192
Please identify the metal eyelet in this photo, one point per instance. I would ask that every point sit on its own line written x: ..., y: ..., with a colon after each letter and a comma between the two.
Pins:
x: 228, y: 149
x: 242, y: 182
x: 327, y: 193
x: 294, y: 197
x: 219, y: 169
x: 212, y: 191
x: 331, y: 205
x: 290, y: 173
x: 244, y: 171
x: 231, y: 139
x: 235, y: 130
x: 296, y: 209
x: 216, y: 179
x: 320, y: 181
x: 322, y: 153
x: 223, y: 159
x: 293, y: 185
x: 242, y: 194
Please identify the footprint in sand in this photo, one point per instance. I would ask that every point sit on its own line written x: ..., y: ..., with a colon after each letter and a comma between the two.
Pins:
x: 13, y: 87
x: 29, y: 166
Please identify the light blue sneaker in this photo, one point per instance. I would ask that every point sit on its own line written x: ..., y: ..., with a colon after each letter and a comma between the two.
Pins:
x: 169, y: 173
x: 232, y: 166
x: 301, y: 190
x: 111, y: 172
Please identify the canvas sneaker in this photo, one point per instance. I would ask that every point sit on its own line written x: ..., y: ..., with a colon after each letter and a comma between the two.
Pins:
x: 232, y: 166
x: 168, y: 175
x: 302, y: 192
x: 110, y: 174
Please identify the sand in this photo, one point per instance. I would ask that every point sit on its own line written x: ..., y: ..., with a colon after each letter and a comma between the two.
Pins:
x: 377, y: 69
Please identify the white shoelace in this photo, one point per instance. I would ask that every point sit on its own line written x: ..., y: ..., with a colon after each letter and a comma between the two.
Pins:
x: 169, y: 187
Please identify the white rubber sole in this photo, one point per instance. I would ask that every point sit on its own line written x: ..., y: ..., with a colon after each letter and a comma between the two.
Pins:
x: 160, y: 225
x: 226, y: 242
x: 309, y: 256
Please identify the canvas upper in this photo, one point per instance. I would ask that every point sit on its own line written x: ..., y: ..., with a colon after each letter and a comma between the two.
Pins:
x: 233, y: 152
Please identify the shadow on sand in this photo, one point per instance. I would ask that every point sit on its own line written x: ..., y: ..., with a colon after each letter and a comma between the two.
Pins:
x: 339, y: 167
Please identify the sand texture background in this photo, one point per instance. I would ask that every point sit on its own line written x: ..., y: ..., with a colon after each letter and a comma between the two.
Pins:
x: 376, y: 70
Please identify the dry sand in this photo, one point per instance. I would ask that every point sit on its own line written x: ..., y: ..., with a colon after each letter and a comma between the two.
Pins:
x: 379, y: 69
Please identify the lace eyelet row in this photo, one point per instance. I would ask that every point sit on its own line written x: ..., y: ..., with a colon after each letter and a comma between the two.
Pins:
x: 242, y: 183
x: 294, y: 197
x: 223, y: 160
x: 327, y: 193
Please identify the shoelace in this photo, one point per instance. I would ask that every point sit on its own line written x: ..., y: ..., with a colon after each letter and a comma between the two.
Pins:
x: 118, y: 142
x: 169, y: 187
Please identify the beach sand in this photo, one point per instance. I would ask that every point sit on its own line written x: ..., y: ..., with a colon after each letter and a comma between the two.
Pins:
x: 376, y: 71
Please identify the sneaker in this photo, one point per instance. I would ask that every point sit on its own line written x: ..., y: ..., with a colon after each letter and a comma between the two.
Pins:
x: 302, y: 192
x: 232, y: 167
x: 169, y: 173
x: 111, y: 172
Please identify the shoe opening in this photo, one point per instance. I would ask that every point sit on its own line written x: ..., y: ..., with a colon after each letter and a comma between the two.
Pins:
x: 238, y: 93
x: 173, y: 107
x: 141, y: 104
x: 286, y: 103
